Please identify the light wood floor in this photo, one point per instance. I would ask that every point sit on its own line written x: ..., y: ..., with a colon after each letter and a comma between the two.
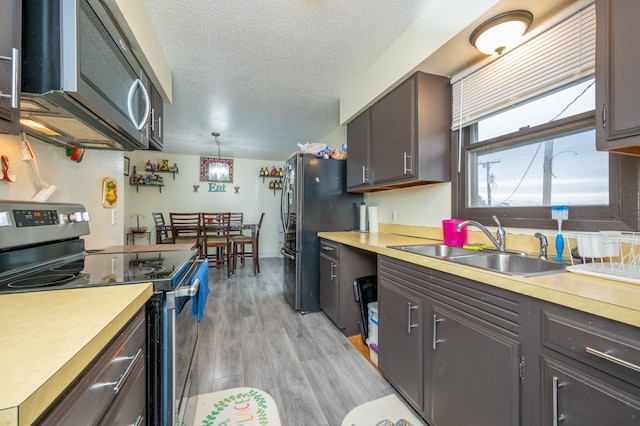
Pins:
x: 250, y: 336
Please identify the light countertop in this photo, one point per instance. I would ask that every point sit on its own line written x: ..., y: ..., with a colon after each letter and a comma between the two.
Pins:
x: 606, y: 298
x: 48, y: 338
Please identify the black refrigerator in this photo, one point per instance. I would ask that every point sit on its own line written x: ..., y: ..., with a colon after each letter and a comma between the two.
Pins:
x: 314, y: 199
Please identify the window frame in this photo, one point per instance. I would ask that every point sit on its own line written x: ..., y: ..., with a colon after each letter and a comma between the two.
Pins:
x: 621, y: 213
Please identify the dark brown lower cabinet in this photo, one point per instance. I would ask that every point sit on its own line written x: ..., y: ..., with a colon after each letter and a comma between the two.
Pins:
x: 340, y: 266
x: 474, y: 371
x: 330, y: 282
x: 451, y: 346
x: 400, y: 339
x: 466, y: 353
x: 112, y: 391
x: 577, y: 395
x: 589, y: 368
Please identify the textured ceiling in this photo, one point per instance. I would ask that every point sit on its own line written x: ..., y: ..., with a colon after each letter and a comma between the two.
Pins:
x: 268, y: 74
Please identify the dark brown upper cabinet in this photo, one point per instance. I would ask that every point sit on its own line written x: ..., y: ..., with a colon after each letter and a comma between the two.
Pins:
x: 403, y: 139
x: 617, y: 71
x: 156, y: 124
x: 10, y: 34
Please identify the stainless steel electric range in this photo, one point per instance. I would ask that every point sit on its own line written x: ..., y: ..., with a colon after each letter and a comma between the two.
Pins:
x: 41, y: 249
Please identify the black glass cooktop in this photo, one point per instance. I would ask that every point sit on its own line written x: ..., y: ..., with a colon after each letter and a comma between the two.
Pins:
x: 163, y: 268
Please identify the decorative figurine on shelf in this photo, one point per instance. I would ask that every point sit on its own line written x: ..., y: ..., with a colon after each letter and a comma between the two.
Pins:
x: 274, y: 171
x: 174, y: 168
x: 165, y: 166
x: 266, y: 171
x: 149, y: 166
x: 272, y: 184
x: 281, y: 172
x: 261, y: 171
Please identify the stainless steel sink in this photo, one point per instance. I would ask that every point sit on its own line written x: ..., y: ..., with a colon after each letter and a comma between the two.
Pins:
x: 510, y: 263
x: 506, y: 263
x: 435, y: 250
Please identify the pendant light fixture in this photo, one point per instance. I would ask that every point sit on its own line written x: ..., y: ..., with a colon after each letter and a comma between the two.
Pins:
x: 218, y: 168
x: 501, y: 32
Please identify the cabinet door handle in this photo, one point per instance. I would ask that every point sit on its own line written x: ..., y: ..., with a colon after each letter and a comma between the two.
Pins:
x: 407, y: 169
x: 160, y: 126
x: 613, y: 359
x: 365, y: 175
x: 333, y: 271
x: 435, y: 331
x: 125, y: 375
x: 327, y: 248
x: 15, y: 69
x: 410, y: 325
x: 557, y: 417
x: 118, y: 384
x: 604, y: 116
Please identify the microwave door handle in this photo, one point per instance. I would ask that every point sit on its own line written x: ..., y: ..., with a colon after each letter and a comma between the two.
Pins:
x: 15, y: 64
x: 147, y: 109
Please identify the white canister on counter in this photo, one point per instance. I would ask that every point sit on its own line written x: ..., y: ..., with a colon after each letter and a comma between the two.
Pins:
x: 373, y: 219
x: 363, y: 217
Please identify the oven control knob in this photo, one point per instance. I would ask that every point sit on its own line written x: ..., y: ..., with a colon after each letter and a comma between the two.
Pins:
x: 77, y: 217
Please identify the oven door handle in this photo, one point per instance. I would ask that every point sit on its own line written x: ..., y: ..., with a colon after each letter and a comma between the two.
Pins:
x: 192, y: 290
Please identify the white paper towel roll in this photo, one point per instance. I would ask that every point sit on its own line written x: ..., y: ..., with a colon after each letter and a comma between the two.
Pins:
x: 373, y: 219
x: 363, y: 217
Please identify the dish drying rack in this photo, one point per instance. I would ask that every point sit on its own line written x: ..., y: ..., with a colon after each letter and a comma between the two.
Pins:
x: 612, y: 255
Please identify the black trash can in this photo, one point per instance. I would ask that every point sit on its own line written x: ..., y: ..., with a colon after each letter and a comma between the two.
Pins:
x: 365, y: 290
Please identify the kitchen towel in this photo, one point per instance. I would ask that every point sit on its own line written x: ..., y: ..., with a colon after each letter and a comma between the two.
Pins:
x: 199, y: 300
x: 363, y: 217
x: 373, y: 219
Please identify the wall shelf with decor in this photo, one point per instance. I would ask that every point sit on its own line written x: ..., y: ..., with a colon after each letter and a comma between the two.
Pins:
x: 274, y: 173
x: 137, y: 185
x: 173, y: 172
x: 275, y: 183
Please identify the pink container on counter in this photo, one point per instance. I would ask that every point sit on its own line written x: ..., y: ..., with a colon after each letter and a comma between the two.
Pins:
x: 452, y: 237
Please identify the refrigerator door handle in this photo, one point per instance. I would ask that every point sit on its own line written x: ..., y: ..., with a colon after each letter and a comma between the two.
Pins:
x: 287, y: 253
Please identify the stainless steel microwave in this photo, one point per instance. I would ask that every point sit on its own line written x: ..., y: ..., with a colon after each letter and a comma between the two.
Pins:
x: 81, y: 84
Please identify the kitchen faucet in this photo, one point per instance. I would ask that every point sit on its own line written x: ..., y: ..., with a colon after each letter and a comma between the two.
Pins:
x: 500, y: 234
x: 543, y: 245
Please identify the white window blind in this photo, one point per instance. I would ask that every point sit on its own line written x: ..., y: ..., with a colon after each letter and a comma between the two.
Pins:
x: 563, y: 54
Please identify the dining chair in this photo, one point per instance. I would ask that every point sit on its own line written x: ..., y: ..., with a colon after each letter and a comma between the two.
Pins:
x: 216, y: 237
x: 163, y: 231
x: 185, y: 229
x: 246, y: 246
x: 237, y: 220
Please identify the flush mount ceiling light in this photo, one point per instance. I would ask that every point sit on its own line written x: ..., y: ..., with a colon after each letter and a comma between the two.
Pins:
x: 501, y: 32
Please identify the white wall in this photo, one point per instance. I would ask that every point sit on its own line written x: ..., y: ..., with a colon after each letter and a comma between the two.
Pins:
x: 418, y: 206
x: 253, y: 197
x: 76, y: 183
x: 82, y: 183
